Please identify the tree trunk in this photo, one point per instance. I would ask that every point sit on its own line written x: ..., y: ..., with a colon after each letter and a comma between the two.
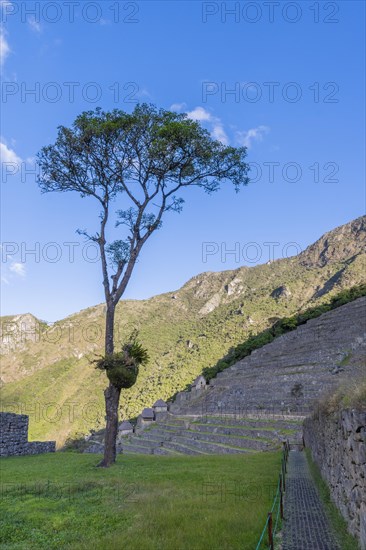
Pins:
x: 111, y: 395
x: 109, y: 329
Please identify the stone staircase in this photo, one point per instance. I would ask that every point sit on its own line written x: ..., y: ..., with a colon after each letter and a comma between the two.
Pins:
x: 174, y: 435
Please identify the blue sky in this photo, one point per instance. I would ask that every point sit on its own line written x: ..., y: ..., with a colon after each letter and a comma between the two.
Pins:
x: 296, y: 75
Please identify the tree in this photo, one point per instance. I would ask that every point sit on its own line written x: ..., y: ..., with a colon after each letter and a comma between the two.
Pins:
x: 141, y: 161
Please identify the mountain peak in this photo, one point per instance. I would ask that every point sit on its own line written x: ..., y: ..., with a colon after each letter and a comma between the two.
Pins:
x: 340, y: 244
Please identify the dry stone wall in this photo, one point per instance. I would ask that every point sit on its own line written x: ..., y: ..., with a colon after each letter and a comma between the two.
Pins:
x: 338, y: 446
x: 14, y: 437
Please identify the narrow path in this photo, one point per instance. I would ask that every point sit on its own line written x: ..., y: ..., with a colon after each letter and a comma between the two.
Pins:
x: 306, y: 524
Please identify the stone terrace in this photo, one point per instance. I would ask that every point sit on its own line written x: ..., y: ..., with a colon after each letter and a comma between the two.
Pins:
x: 209, y: 435
x: 263, y: 399
x: 291, y: 372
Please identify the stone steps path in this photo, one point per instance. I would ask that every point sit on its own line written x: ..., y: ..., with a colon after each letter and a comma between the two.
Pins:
x: 306, y: 525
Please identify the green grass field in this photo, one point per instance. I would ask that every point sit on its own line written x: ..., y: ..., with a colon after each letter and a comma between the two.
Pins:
x: 62, y: 500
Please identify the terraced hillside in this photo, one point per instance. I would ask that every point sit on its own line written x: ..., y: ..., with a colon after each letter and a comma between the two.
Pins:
x: 262, y: 400
x: 291, y: 373
x: 46, y: 370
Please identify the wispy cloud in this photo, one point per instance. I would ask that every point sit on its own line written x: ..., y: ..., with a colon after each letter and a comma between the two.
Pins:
x: 178, y: 106
x: 217, y: 128
x: 219, y: 133
x: 246, y: 137
x: 12, y: 272
x: 7, y: 154
x: 33, y: 24
x: 4, y: 46
x: 143, y: 92
x: 18, y: 268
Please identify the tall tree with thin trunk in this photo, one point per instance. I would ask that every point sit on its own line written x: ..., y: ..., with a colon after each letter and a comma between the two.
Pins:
x: 138, y: 164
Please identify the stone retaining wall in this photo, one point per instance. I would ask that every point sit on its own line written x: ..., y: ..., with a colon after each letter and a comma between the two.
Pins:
x: 338, y: 446
x: 14, y: 437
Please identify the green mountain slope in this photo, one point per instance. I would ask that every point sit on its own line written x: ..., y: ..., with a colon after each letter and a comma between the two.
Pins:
x: 46, y: 370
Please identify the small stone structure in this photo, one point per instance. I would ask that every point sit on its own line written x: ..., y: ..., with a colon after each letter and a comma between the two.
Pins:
x: 200, y: 383
x: 145, y: 418
x: 160, y: 406
x: 338, y: 446
x: 160, y: 409
x: 147, y: 414
x: 14, y: 437
x: 125, y: 428
x: 151, y: 414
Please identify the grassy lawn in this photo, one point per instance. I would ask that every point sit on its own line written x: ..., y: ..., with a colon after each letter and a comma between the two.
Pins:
x: 62, y: 500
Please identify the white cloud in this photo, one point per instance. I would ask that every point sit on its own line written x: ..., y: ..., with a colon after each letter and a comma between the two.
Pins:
x: 217, y: 128
x: 4, y: 46
x: 4, y: 280
x: 219, y: 133
x: 8, y: 155
x: 200, y: 114
x: 178, y: 106
x: 18, y: 269
x: 34, y: 25
x: 254, y: 134
x: 245, y: 137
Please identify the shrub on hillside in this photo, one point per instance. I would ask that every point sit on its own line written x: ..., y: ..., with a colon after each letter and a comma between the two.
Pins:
x: 349, y: 395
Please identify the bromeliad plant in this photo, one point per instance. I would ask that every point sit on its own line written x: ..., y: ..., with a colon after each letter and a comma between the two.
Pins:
x: 122, y: 367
